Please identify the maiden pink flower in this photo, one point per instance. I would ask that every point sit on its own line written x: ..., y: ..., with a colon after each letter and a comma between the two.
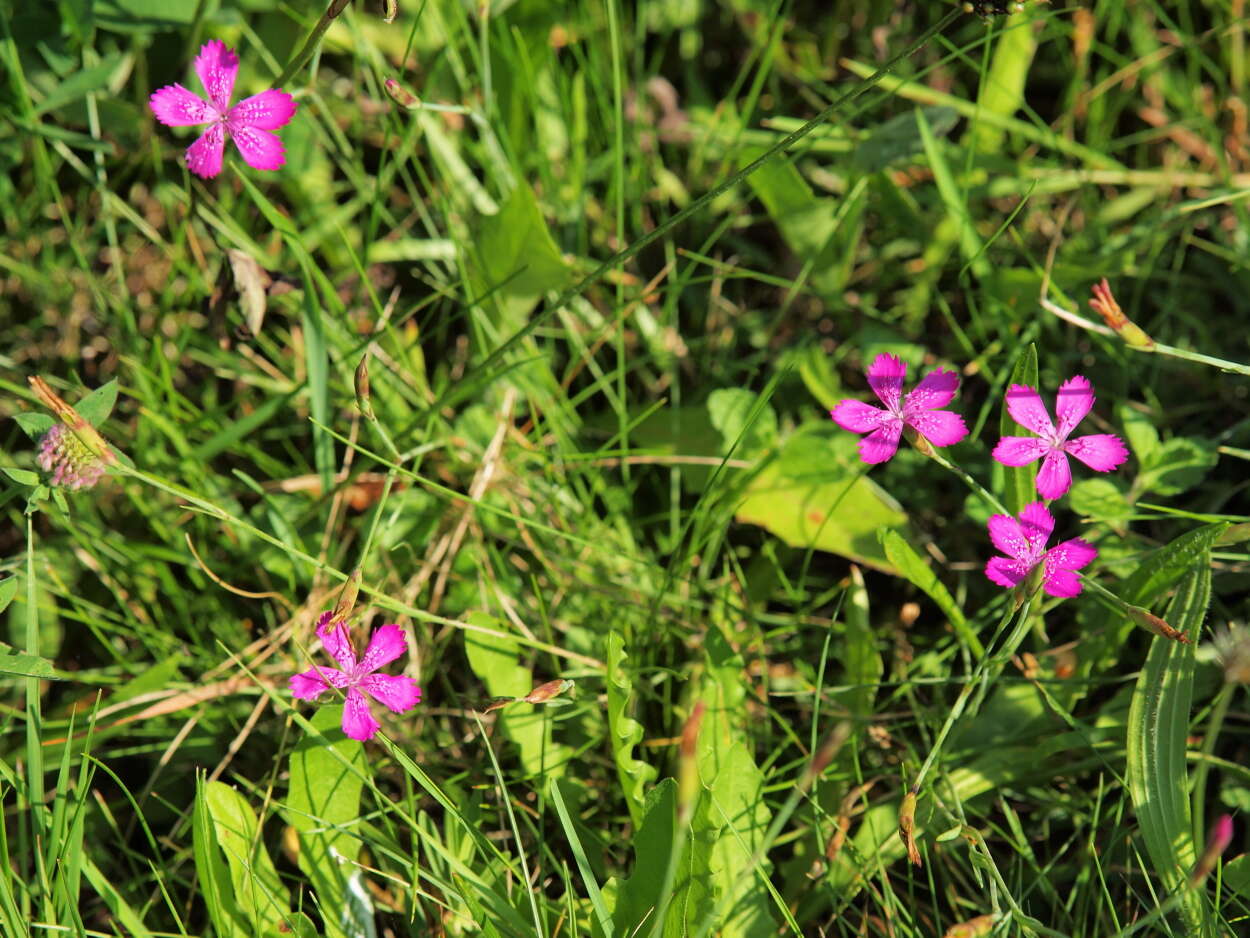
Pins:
x: 357, y: 678
x: 1102, y: 452
x: 1024, y: 543
x: 248, y: 122
x: 917, y: 409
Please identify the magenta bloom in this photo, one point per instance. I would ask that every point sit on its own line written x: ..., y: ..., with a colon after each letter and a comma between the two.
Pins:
x: 1024, y: 543
x: 1102, y: 452
x: 248, y: 122
x: 918, y: 409
x: 357, y: 678
x: 70, y: 462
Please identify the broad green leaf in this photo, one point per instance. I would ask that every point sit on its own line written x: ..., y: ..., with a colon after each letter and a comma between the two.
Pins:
x: 1155, y: 748
x: 8, y: 589
x: 1166, y: 565
x: 96, y: 406
x: 35, y: 425
x: 513, y: 263
x: 1101, y: 500
x: 16, y: 663
x: 1139, y: 430
x: 79, y: 84
x: 246, y: 885
x: 912, y: 566
x: 21, y: 476
x: 899, y: 138
x: 1176, y: 466
x: 327, y: 775
x: 861, y: 661
x: 810, y: 498
x: 806, y: 222
x: 495, y: 659
x: 1019, y: 487
x: 624, y: 731
x: 747, y: 425
x: 638, y: 897
x: 144, y: 16
x: 732, y: 815
x: 1002, y: 90
x: 1236, y: 876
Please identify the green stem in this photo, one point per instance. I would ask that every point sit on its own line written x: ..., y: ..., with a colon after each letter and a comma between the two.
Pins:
x: 310, y: 44
x: 972, y: 483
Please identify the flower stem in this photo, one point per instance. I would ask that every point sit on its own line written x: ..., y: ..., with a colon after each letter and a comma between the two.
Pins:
x: 972, y: 483
x: 310, y: 44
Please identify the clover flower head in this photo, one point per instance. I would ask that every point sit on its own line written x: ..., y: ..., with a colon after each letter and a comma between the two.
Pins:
x: 1102, y: 452
x: 357, y: 677
x: 1023, y: 540
x: 248, y: 123
x: 918, y: 409
x: 71, y: 463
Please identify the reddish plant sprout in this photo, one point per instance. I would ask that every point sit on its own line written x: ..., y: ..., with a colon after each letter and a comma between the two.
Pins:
x: 248, y: 123
x: 918, y: 409
x: 1023, y: 540
x: 1102, y: 452
x: 357, y: 677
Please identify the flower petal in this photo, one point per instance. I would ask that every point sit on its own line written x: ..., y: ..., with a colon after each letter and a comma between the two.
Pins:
x: 309, y: 684
x: 204, y: 156
x: 1072, y: 403
x: 939, y: 427
x: 1061, y: 584
x: 885, y: 377
x: 857, y: 416
x: 260, y: 148
x: 387, y: 644
x: 1026, y: 408
x: 175, y: 106
x: 1006, y: 536
x: 935, y: 390
x: 358, y: 722
x: 1019, y: 450
x: 1070, y: 555
x: 337, y: 641
x: 396, y: 693
x: 1102, y: 452
x: 881, y: 444
x: 1055, y: 476
x: 1006, y: 572
x: 1036, y: 524
x: 217, y: 67
x: 268, y: 110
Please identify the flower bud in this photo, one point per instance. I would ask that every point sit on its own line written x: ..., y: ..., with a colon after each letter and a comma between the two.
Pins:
x: 363, y: 398
x: 1217, y: 842
x: 1105, y: 305
x: 688, y: 764
x: 907, y: 827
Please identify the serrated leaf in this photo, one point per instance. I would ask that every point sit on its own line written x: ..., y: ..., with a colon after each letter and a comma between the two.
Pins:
x: 1158, y: 727
x: 1177, y: 465
x: 625, y: 732
x: 912, y: 566
x: 1019, y: 487
x: 747, y: 425
x: 327, y: 776
x: 1101, y: 500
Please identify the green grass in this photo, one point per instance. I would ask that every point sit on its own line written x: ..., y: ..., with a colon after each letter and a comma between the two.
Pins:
x: 606, y: 307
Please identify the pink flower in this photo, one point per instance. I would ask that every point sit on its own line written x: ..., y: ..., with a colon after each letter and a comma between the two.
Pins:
x: 918, y: 409
x: 1024, y: 543
x: 248, y: 122
x: 68, y: 459
x: 357, y: 678
x: 1102, y: 452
